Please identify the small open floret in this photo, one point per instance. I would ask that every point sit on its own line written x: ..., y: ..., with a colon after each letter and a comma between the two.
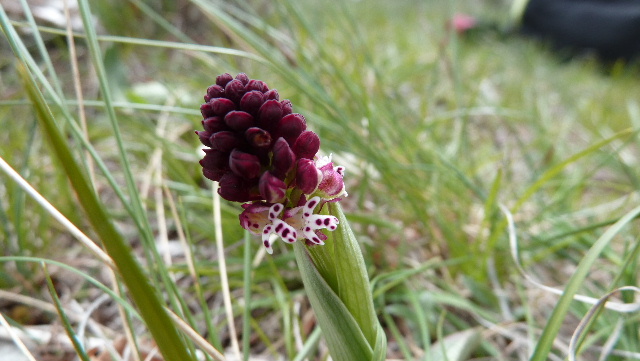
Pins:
x: 295, y: 223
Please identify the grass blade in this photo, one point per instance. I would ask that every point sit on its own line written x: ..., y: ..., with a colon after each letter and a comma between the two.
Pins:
x: 160, y: 325
x: 556, y: 318
x: 80, y: 351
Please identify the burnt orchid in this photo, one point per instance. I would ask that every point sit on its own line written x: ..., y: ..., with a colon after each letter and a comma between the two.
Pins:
x: 262, y: 155
x: 261, y: 152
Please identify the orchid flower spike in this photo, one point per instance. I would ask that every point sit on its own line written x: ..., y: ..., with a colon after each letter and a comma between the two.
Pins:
x: 261, y: 152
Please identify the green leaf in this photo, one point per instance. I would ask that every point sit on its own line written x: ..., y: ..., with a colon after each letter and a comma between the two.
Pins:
x: 353, y: 282
x: 341, y: 331
x: 341, y: 268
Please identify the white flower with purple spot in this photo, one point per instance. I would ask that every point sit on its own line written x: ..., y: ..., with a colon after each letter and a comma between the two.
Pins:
x: 295, y: 223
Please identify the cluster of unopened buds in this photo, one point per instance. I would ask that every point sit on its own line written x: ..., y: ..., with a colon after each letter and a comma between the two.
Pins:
x: 262, y: 153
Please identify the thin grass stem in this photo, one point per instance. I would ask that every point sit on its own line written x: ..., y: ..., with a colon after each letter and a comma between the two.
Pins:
x: 224, y: 278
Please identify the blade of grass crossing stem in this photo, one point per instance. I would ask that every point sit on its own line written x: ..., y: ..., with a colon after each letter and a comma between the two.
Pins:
x: 557, y: 317
x: 134, y: 197
x: 246, y: 321
x: 341, y: 331
x: 158, y: 322
x: 211, y: 331
x: 222, y: 266
x: 80, y: 351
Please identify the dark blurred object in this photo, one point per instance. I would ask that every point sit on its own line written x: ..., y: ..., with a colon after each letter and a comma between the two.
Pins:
x: 610, y: 28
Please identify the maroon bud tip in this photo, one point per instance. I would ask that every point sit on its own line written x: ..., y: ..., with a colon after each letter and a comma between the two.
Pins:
x: 206, y: 110
x: 272, y: 189
x: 215, y: 160
x: 214, y: 91
x: 257, y: 85
x: 238, y: 120
x: 258, y: 138
x: 226, y: 141
x: 214, y: 124
x: 214, y: 175
x: 307, y: 145
x: 222, y: 80
x: 243, y: 78
x: 236, y: 189
x: 287, y: 107
x: 272, y: 95
x: 291, y: 126
x: 220, y: 106
x: 269, y: 114
x: 283, y: 158
x: 234, y: 90
x: 308, y: 177
x: 244, y: 164
x: 204, y: 137
x: 252, y: 101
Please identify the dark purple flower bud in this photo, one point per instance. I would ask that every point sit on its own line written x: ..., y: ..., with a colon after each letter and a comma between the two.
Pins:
x: 272, y: 95
x: 234, y: 90
x: 287, y: 107
x: 214, y: 124
x: 214, y: 175
x: 223, y: 79
x: 236, y: 189
x: 206, y: 110
x: 217, y: 106
x: 291, y: 126
x: 204, y: 137
x: 272, y: 189
x: 252, y: 101
x: 243, y: 78
x: 244, y: 164
x: 215, y: 164
x: 308, y: 177
x: 258, y: 85
x: 307, y: 145
x: 238, y: 120
x: 258, y: 138
x: 214, y: 91
x: 283, y: 158
x: 225, y: 141
x: 269, y: 114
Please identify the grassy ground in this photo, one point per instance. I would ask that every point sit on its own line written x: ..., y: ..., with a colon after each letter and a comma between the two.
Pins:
x: 445, y: 140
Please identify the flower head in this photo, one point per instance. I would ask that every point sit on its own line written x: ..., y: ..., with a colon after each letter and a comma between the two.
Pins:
x: 249, y: 132
x: 260, y: 151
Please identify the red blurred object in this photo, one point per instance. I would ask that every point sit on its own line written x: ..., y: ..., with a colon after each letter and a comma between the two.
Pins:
x: 461, y: 23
